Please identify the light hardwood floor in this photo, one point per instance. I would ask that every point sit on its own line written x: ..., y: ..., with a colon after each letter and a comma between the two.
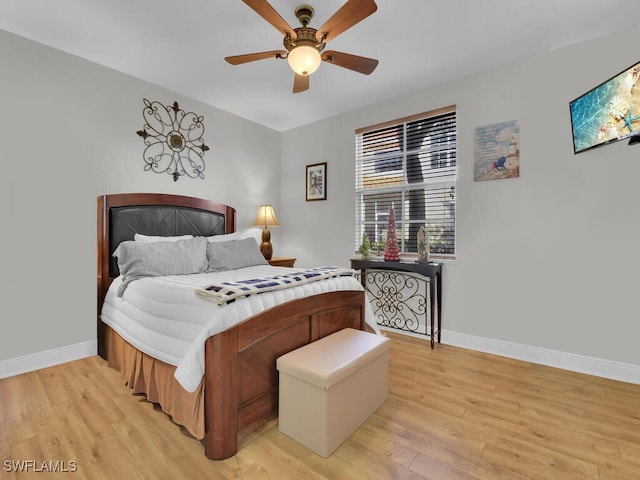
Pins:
x: 451, y: 414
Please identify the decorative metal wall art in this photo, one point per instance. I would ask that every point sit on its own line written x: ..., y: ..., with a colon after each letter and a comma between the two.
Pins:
x: 173, y: 139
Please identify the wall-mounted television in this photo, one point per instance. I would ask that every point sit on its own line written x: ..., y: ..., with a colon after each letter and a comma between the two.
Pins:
x: 608, y: 112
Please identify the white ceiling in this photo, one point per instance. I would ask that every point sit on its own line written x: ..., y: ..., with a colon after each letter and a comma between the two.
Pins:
x: 181, y: 45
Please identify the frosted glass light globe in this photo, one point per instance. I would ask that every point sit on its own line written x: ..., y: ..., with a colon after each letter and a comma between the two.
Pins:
x: 304, y: 59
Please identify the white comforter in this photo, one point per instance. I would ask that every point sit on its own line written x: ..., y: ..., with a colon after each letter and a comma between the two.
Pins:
x: 164, y: 318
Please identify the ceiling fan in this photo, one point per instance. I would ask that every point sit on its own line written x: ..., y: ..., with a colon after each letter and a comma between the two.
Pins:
x: 305, y: 45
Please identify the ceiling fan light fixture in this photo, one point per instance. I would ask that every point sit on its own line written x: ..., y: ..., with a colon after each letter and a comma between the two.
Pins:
x: 304, y: 59
x: 305, y: 45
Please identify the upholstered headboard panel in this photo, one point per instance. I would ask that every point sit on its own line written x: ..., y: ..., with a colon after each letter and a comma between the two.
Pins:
x: 162, y: 220
x: 121, y: 216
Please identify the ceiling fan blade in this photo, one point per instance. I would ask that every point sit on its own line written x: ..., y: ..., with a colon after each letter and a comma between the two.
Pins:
x: 300, y: 83
x: 347, y: 16
x: 252, y: 57
x: 266, y: 11
x: 352, y: 62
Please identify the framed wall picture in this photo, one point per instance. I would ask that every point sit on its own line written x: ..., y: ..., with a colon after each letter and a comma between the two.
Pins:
x: 497, y: 151
x: 316, y: 181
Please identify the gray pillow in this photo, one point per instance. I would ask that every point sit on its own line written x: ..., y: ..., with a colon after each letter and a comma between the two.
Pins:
x: 137, y: 260
x: 234, y: 254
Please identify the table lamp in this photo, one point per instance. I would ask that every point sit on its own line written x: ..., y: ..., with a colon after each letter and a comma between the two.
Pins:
x: 266, y: 218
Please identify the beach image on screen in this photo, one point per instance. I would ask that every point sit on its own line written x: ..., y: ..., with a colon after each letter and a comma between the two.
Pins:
x: 609, y: 112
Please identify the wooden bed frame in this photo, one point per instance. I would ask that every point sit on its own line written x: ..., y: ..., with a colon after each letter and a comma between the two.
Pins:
x: 241, y: 380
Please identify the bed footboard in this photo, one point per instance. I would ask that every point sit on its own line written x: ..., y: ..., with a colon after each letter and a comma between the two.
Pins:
x: 241, y: 379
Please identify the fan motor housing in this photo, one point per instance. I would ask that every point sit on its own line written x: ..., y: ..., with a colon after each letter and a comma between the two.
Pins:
x: 304, y: 36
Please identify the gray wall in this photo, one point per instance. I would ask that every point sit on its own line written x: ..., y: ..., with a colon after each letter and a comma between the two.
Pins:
x: 67, y: 131
x: 548, y: 260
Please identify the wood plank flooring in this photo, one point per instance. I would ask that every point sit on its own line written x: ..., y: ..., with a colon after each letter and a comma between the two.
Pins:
x: 451, y: 414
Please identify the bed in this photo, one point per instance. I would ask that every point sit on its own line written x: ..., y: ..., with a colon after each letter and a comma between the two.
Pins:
x: 239, y: 386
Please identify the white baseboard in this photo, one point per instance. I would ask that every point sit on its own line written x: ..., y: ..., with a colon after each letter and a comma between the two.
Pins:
x: 624, y: 372
x: 48, y: 358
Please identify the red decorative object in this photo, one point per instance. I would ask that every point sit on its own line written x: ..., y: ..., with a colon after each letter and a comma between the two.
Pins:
x: 391, y: 253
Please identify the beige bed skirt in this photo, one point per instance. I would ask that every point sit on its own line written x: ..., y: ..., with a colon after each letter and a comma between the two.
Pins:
x: 154, y: 378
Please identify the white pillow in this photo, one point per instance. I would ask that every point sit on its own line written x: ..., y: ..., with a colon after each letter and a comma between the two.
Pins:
x: 248, y: 233
x: 224, y: 238
x: 138, y: 237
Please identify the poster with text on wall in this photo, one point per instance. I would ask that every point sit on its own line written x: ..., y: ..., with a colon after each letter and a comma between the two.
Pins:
x: 497, y: 151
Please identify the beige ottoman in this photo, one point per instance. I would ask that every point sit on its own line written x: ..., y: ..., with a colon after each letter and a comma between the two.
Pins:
x: 330, y: 387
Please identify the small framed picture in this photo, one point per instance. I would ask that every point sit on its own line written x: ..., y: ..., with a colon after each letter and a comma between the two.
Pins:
x: 316, y: 181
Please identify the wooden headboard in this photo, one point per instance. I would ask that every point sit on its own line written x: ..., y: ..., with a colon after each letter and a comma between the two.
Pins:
x: 121, y: 216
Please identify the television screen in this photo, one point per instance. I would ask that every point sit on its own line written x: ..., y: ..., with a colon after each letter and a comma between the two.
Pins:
x: 609, y: 112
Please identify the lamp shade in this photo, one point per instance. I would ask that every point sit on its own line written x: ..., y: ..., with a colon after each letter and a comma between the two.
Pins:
x: 266, y: 217
x: 304, y: 59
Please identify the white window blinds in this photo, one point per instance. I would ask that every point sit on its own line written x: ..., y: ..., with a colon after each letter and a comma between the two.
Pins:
x: 411, y: 164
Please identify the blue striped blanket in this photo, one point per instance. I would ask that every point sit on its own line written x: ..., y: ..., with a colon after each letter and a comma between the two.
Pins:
x: 223, y: 293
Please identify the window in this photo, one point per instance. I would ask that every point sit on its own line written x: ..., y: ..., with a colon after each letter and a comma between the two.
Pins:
x: 409, y: 163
